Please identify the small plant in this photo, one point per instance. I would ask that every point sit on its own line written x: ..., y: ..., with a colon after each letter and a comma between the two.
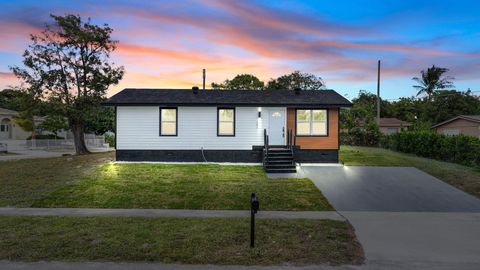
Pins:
x: 110, y: 139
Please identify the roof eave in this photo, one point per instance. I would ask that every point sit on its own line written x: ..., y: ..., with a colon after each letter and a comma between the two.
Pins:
x: 113, y: 104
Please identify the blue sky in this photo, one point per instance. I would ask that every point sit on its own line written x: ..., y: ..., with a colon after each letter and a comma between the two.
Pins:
x: 167, y: 43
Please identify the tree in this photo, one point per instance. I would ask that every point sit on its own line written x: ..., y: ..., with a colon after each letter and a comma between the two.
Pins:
x: 447, y: 104
x: 101, y: 120
x: 26, y: 121
x: 69, y: 64
x: 432, y: 79
x: 304, y: 81
x: 12, y: 99
x: 54, y: 123
x: 241, y: 81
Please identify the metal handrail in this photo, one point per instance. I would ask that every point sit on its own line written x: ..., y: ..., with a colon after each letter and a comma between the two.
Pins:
x: 291, y: 140
x: 265, y: 147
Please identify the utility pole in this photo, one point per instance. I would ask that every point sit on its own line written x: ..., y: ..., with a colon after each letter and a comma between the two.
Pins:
x: 204, y: 77
x: 378, y: 94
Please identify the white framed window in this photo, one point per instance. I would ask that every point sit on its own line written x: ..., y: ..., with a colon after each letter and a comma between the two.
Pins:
x: 226, y: 122
x: 311, y: 122
x: 168, y: 122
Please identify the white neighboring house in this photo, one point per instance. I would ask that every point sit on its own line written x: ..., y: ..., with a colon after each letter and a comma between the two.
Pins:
x: 10, y: 130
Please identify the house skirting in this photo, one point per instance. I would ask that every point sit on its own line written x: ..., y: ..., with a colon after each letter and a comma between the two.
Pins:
x: 315, y: 156
x: 248, y: 156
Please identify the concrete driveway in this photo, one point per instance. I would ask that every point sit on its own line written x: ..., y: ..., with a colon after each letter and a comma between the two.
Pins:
x: 391, y: 189
x: 404, y: 218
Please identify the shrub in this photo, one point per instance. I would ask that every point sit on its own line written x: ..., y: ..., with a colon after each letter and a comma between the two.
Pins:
x: 110, y: 139
x: 368, y: 136
x: 459, y: 148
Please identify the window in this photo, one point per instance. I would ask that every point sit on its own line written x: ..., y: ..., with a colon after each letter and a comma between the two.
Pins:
x: 3, y: 128
x: 311, y: 123
x: 168, y: 121
x: 391, y: 131
x: 451, y: 132
x: 226, y: 122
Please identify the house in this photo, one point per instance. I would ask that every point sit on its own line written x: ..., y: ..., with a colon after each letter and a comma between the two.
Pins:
x: 226, y: 125
x: 392, y: 125
x: 389, y: 125
x: 9, y: 130
x: 463, y: 124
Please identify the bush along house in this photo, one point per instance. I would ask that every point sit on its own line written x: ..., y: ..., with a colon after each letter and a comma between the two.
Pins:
x: 278, y: 128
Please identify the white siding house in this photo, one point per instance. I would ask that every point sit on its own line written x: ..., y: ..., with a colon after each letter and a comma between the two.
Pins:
x: 138, y: 129
x: 179, y: 125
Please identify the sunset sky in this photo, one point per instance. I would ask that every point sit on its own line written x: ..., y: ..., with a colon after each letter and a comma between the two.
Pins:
x: 167, y: 43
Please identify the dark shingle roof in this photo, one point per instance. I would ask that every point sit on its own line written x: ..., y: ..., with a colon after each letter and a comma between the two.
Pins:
x: 186, y: 97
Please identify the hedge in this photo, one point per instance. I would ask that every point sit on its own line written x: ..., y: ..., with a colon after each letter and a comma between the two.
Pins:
x: 458, y: 149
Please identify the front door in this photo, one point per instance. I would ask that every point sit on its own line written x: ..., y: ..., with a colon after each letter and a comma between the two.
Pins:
x: 276, y: 126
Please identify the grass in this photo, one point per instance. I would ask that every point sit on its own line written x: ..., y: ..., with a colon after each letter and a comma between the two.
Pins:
x: 24, y: 181
x: 178, y: 240
x: 202, y: 186
x: 462, y: 177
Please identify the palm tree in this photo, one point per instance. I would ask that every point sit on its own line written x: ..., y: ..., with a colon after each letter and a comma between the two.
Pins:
x: 432, y: 80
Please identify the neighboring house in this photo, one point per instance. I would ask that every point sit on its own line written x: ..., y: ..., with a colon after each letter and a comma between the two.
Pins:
x: 463, y: 124
x: 226, y: 125
x: 9, y: 130
x: 389, y: 125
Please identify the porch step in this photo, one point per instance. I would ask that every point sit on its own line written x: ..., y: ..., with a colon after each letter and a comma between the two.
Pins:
x: 279, y: 154
x: 279, y: 160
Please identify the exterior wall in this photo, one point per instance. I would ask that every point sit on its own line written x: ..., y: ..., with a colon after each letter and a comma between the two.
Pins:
x: 390, y: 130
x: 15, y: 131
x: 329, y: 142
x: 464, y: 127
x: 138, y: 129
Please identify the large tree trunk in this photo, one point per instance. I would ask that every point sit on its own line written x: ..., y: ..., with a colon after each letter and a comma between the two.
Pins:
x: 79, y: 138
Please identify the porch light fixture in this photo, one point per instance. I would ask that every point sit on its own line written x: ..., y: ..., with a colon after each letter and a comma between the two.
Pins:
x: 259, y: 112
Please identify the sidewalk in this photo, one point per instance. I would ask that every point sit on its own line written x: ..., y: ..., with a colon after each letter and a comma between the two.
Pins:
x: 182, y: 213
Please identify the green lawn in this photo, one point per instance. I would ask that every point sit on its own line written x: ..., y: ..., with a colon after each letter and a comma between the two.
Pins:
x: 115, y: 185
x: 462, y: 177
x: 178, y: 240
x: 23, y: 181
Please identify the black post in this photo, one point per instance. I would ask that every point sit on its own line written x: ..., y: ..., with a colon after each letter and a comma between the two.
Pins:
x: 252, y: 229
x: 254, y: 205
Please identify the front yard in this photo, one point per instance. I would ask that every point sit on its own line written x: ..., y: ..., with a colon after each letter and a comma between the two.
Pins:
x: 178, y: 240
x: 93, y: 181
x: 185, y: 187
x: 461, y: 177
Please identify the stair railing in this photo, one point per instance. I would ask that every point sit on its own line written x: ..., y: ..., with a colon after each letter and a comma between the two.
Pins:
x: 291, y: 141
x: 265, y: 147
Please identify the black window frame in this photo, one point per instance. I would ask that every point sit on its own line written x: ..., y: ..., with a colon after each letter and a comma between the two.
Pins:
x: 160, y: 121
x: 312, y: 109
x: 234, y: 121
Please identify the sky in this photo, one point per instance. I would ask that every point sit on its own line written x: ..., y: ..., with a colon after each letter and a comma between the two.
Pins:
x: 166, y: 44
